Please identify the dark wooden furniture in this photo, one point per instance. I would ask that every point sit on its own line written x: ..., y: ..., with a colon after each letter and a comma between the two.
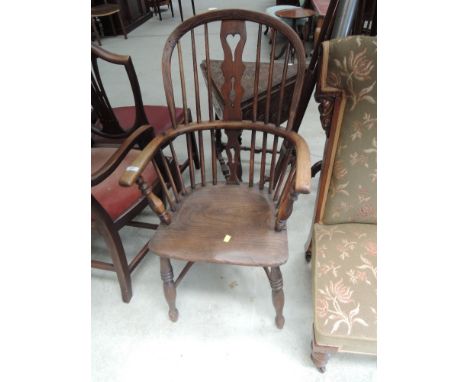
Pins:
x: 227, y: 221
x: 321, y: 7
x: 116, y: 123
x: 104, y: 10
x: 295, y: 14
x: 365, y: 21
x: 156, y: 5
x: 181, y: 11
x: 113, y: 206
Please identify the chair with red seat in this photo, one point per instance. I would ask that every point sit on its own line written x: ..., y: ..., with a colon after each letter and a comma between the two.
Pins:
x: 113, y: 206
x: 116, y: 123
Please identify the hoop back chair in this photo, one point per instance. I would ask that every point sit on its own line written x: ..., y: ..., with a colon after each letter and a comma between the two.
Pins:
x: 117, y: 123
x: 226, y: 221
x: 343, y: 240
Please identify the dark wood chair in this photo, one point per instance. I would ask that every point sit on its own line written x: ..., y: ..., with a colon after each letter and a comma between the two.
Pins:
x: 156, y: 5
x: 104, y: 10
x: 114, y: 124
x: 113, y: 206
x: 229, y: 221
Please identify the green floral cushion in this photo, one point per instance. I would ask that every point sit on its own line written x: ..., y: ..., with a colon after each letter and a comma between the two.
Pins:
x: 345, y: 286
x: 352, y: 191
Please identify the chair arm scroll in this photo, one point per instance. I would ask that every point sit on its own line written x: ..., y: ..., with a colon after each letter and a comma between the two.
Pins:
x: 113, y: 162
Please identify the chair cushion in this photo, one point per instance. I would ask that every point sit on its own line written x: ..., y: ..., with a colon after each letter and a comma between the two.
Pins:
x: 158, y: 116
x: 272, y: 12
x: 352, y: 192
x: 115, y: 199
x: 345, y: 286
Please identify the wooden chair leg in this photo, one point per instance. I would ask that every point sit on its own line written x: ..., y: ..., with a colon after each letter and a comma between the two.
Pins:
x: 172, y: 8
x: 114, y: 31
x: 119, y: 260
x: 167, y: 277
x: 122, y: 25
x: 320, y: 353
x: 193, y: 8
x: 93, y: 23
x: 319, y: 359
x: 276, y: 282
x: 159, y: 10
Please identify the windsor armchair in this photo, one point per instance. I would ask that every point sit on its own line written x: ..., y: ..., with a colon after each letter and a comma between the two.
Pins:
x: 231, y: 221
x: 343, y: 240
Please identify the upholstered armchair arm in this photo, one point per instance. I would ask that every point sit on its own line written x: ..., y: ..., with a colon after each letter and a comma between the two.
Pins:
x: 113, y: 162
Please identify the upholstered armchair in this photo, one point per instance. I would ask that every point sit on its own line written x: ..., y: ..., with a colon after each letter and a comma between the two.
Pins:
x: 343, y: 240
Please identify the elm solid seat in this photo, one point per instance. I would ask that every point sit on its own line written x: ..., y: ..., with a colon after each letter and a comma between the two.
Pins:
x: 343, y: 242
x: 204, y: 229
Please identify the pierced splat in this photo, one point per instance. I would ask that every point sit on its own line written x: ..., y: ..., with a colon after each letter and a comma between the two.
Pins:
x: 233, y: 37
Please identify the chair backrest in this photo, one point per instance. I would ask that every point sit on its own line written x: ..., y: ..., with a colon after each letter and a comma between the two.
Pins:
x: 348, y: 85
x: 312, y: 70
x: 196, y: 35
x: 109, y: 124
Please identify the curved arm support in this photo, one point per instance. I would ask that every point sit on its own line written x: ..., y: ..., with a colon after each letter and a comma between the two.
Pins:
x: 301, y: 181
x: 111, y: 164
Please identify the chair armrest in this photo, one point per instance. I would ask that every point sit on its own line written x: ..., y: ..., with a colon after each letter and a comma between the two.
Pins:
x: 302, y: 180
x: 111, y: 164
x: 303, y: 164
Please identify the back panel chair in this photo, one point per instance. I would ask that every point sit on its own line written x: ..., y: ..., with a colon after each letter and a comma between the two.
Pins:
x: 228, y: 221
x: 343, y: 240
x: 116, y: 123
x: 113, y: 206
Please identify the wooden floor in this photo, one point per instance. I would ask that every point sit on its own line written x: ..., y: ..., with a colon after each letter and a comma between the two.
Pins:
x: 199, y: 228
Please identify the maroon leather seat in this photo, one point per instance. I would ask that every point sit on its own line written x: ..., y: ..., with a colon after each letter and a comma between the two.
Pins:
x: 115, y: 199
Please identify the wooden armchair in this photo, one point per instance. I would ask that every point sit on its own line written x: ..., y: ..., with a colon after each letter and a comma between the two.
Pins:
x: 113, y: 206
x: 343, y: 240
x: 229, y: 221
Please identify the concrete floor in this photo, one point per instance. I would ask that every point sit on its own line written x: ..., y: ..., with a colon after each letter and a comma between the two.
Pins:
x: 226, y: 327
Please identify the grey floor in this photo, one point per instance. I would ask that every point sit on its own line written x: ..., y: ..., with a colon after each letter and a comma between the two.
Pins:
x: 226, y: 327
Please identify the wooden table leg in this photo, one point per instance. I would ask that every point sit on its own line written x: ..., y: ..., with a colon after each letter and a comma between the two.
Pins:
x: 181, y: 12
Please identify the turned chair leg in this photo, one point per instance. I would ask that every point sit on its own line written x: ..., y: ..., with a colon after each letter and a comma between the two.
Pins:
x: 277, y: 294
x: 167, y: 277
x: 319, y: 359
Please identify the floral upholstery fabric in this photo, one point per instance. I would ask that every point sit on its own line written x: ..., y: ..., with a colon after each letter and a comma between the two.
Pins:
x: 345, y: 286
x: 350, y: 65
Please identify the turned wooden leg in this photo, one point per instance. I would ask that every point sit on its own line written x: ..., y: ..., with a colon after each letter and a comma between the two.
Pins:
x: 320, y: 359
x: 276, y: 282
x: 167, y: 277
